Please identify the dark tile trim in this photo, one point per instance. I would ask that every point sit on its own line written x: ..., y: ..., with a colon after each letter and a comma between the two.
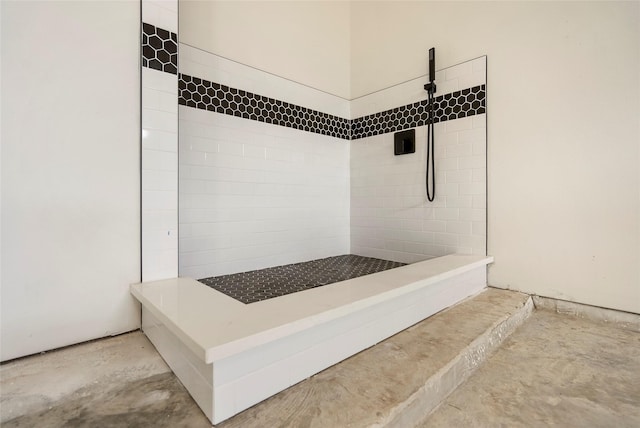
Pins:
x: 455, y: 105
x: 160, y: 52
x: 206, y: 95
x: 203, y: 94
x: 159, y: 49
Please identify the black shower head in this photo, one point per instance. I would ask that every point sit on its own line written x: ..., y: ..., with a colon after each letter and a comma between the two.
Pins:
x: 431, y: 86
x: 432, y: 64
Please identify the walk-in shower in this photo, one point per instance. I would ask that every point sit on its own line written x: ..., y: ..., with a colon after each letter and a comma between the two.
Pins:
x: 274, y: 174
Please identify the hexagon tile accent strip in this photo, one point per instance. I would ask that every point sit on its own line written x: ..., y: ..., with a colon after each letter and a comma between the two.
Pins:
x: 159, y: 49
x: 206, y: 95
x: 263, y: 284
x: 455, y: 105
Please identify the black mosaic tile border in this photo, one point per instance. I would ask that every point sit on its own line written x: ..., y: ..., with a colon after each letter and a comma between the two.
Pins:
x: 455, y: 105
x: 159, y: 49
x: 160, y: 52
x: 263, y: 284
x: 206, y: 95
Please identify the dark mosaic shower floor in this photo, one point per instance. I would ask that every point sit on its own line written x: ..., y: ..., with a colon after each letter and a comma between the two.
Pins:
x: 263, y: 284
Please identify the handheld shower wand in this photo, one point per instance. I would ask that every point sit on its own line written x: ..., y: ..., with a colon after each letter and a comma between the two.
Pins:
x: 431, y: 86
x: 431, y: 89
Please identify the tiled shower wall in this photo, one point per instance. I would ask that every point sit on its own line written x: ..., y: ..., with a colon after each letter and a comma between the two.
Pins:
x: 256, y: 188
x: 274, y: 172
x: 390, y: 217
x: 159, y: 155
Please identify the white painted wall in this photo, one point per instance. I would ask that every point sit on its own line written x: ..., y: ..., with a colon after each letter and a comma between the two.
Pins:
x: 70, y: 172
x: 306, y: 41
x: 563, y: 130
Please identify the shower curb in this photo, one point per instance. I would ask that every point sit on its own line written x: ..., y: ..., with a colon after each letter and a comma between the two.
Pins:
x: 425, y: 400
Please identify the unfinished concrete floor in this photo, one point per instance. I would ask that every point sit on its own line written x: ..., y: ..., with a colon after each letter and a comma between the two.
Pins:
x: 554, y: 369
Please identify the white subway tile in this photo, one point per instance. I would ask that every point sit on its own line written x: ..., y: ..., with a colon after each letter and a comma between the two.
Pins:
x: 475, y: 135
x: 170, y: 5
x: 394, y: 245
x: 471, y: 80
x: 434, y: 225
x: 459, y: 70
x: 159, y: 200
x: 461, y: 176
x: 459, y: 227
x: 159, y: 180
x: 459, y: 150
x: 446, y: 213
x: 159, y: 100
x: 480, y: 121
x: 412, y: 224
x: 159, y: 264
x: 472, y: 214
x: 159, y: 219
x: 154, y: 139
x: 479, y: 228
x: 472, y: 162
x: 160, y: 240
x: 159, y: 120
x: 447, y: 164
x: 473, y: 241
x: 479, y: 147
x: 156, y: 13
x: 230, y: 148
x: 447, y: 138
x: 254, y: 151
x: 480, y: 65
x: 448, y: 239
x: 447, y: 189
x: 480, y: 201
x: 465, y: 201
x: 459, y: 124
x: 479, y: 174
x: 159, y: 160
x: 414, y: 247
x: 159, y: 80
x: 473, y: 188
x: 447, y: 86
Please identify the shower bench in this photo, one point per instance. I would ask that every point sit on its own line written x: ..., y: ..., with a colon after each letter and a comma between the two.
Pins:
x: 231, y: 356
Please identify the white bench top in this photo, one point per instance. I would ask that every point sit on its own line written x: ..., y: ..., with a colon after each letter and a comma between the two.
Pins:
x: 215, y: 326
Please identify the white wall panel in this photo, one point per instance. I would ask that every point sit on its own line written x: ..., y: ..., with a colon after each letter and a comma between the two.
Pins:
x: 70, y: 173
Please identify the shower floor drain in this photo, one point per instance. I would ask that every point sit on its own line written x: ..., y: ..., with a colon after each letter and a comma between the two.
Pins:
x: 263, y: 284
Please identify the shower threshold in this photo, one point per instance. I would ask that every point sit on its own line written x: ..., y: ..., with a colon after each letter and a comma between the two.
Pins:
x: 230, y: 355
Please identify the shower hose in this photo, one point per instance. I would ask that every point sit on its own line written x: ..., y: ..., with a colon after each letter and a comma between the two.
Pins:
x: 431, y: 170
